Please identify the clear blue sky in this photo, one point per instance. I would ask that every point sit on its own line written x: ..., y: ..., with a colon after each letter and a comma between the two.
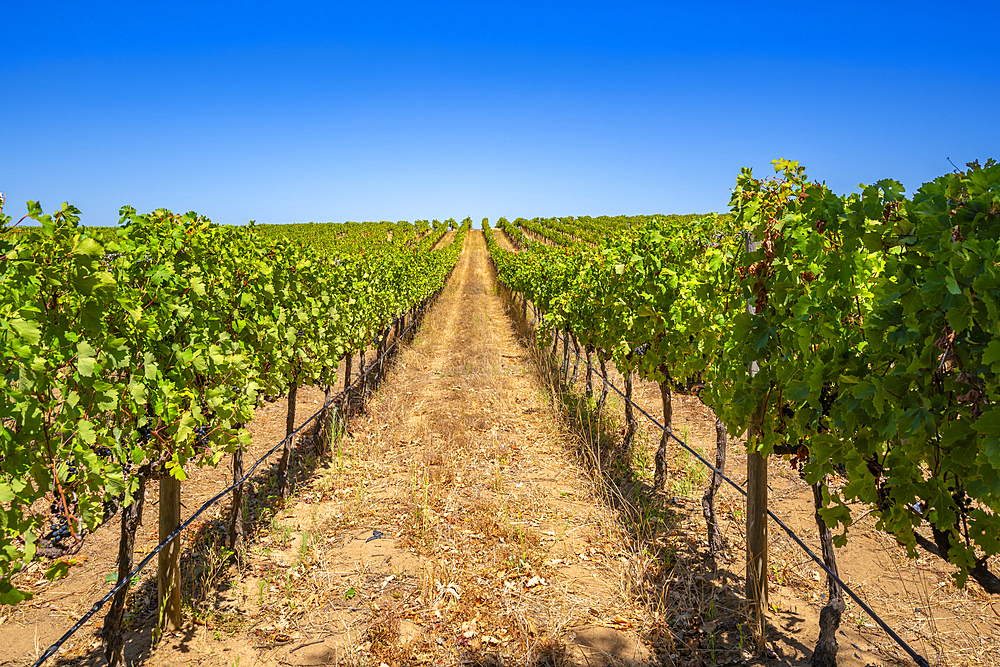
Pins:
x: 336, y: 111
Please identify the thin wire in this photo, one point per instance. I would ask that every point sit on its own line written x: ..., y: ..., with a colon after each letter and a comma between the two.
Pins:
x: 920, y: 660
x: 138, y: 568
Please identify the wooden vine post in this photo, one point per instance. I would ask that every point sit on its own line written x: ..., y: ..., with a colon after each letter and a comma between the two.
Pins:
x: 362, y: 378
x: 383, y: 346
x: 236, y: 518
x: 715, y: 542
x: 757, y: 538
x: 327, y: 425
x: 756, y: 587
x: 112, y: 636
x: 602, y: 359
x: 347, y: 378
x: 825, y: 654
x: 284, y: 483
x: 168, y: 573
x: 237, y: 528
x: 660, y: 459
x: 631, y: 425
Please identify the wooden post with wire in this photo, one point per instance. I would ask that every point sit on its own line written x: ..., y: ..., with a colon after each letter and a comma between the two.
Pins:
x: 168, y: 573
x: 757, y: 539
x: 756, y: 587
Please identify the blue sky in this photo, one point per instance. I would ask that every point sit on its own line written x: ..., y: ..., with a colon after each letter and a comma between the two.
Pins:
x: 333, y: 111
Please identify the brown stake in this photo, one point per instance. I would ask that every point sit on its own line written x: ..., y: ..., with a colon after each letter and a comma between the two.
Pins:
x: 168, y: 574
x: 590, y: 372
x: 756, y: 507
x: 347, y: 380
x: 378, y: 356
x: 361, y: 374
x: 284, y: 485
x: 708, y: 500
x: 630, y: 423
x: 564, y: 370
x: 236, y: 520
x: 757, y: 540
x: 114, y: 640
x: 326, y: 426
x: 576, y: 360
x: 660, y: 460
x: 825, y: 654
x: 604, y: 378
x: 381, y: 351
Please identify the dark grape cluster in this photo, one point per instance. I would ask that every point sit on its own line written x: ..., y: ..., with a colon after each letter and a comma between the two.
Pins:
x: 58, y: 525
x: 233, y: 395
x: 201, y: 442
x: 961, y: 498
x: 828, y: 396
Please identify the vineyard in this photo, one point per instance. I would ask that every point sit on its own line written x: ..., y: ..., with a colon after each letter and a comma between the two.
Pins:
x: 853, y: 335
x: 470, y: 487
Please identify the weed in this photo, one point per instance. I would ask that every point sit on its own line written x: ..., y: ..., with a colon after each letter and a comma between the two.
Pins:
x: 641, y: 460
x: 158, y: 630
x: 692, y: 478
x: 359, y: 496
x: 283, y: 532
x: 305, y: 548
x: 498, y: 482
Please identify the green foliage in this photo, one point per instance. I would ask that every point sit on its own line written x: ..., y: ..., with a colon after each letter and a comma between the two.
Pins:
x: 874, y: 327
x: 653, y: 296
x: 150, y: 349
x: 921, y: 403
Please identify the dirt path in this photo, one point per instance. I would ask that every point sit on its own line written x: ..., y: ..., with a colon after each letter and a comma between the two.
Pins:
x: 500, y: 236
x: 452, y: 524
x: 445, y: 240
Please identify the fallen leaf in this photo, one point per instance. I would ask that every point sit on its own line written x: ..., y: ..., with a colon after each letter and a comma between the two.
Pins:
x: 621, y: 623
